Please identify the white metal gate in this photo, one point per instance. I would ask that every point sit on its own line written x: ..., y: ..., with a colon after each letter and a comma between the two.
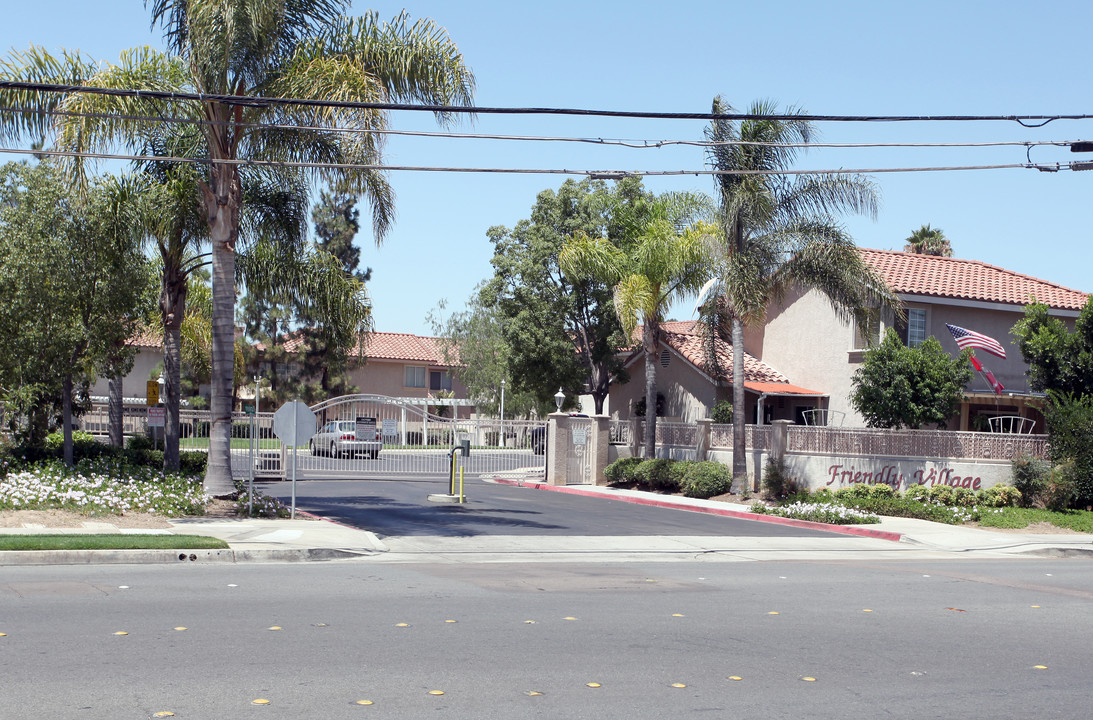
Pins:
x: 409, y: 440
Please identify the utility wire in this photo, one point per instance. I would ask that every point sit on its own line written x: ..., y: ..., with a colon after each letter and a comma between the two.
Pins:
x: 257, y: 101
x: 596, y: 174
x: 620, y: 142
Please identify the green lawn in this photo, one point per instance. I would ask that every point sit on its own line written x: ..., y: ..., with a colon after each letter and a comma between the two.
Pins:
x: 82, y: 541
x: 1012, y: 517
x: 202, y: 443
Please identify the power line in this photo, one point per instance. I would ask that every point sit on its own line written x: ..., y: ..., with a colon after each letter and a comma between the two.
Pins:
x: 596, y: 174
x: 620, y: 142
x: 258, y: 101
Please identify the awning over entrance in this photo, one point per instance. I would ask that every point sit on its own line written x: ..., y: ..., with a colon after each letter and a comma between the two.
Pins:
x: 775, y: 388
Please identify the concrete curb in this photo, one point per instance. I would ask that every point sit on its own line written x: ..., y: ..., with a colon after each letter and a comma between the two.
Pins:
x: 724, y: 512
x: 173, y: 557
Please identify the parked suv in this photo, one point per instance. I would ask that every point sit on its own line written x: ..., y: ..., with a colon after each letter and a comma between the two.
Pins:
x: 338, y: 438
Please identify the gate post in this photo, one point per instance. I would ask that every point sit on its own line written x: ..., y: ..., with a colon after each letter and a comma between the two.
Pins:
x: 635, y: 436
x: 777, y: 441
x: 702, y: 447
x: 557, y: 448
x: 601, y: 441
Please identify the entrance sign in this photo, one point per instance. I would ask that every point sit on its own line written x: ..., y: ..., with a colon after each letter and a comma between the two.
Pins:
x: 157, y: 417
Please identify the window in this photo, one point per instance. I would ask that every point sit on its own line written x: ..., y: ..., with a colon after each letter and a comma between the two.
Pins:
x: 440, y: 380
x: 872, y: 335
x: 415, y: 376
x: 912, y: 331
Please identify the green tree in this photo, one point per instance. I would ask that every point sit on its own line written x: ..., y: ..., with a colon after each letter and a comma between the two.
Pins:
x: 1060, y: 363
x: 928, y: 241
x: 72, y: 279
x: 558, y: 331
x: 899, y: 386
x: 779, y: 231
x: 1058, y: 359
x: 667, y: 261
x: 301, y: 49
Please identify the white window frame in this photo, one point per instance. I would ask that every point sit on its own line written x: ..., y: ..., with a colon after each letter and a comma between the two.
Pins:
x: 411, y: 374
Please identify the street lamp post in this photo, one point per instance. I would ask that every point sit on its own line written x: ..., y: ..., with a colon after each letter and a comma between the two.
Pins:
x: 559, y: 398
x: 502, y: 438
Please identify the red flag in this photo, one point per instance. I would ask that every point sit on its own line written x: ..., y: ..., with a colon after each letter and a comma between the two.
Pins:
x: 975, y: 363
x: 997, y: 386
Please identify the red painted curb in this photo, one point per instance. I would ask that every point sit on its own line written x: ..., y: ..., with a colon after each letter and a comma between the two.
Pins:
x: 658, y: 502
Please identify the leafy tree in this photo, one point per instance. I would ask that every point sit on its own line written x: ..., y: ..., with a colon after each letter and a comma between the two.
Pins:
x: 667, y: 261
x: 558, y: 331
x: 72, y: 280
x: 474, y: 346
x: 1060, y: 363
x: 928, y: 241
x: 899, y: 386
x: 1057, y: 358
x: 777, y: 231
x: 302, y: 49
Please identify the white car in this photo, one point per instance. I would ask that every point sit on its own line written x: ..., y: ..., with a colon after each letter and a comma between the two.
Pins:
x: 338, y: 438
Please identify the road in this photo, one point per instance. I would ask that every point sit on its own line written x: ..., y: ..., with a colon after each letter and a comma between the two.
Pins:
x: 401, y: 508
x: 904, y: 639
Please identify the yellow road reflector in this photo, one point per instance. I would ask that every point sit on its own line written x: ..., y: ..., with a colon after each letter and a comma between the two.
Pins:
x: 529, y: 622
x: 1035, y: 606
x: 533, y: 692
x: 180, y: 627
x: 451, y: 621
x: 121, y: 632
x: 809, y: 679
x: 866, y: 610
x: 259, y: 701
x: 320, y: 624
x: 735, y: 677
x: 773, y: 612
x: 677, y: 614
x: 678, y: 685
x: 592, y: 685
x: 164, y: 713
x: 3, y: 634
x: 275, y: 627
x: 402, y: 625
x: 364, y: 702
x: 436, y: 692
x: 569, y: 618
x: 1040, y: 667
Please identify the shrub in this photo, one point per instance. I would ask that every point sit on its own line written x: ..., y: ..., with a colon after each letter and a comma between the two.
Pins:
x: 776, y: 483
x: 654, y: 473
x: 707, y: 479
x: 193, y: 462
x: 942, y: 495
x: 721, y: 413
x: 1030, y: 476
x: 917, y: 492
x: 678, y: 470
x: 999, y: 496
x: 622, y: 470
x: 830, y: 513
x: 1062, y: 487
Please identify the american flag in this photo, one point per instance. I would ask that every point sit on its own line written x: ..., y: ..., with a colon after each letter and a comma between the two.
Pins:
x: 970, y: 339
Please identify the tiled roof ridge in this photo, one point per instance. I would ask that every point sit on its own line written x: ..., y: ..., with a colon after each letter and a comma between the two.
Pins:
x: 1048, y: 286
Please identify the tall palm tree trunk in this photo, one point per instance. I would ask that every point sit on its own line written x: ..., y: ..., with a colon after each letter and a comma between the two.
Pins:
x: 172, y: 304
x: 222, y: 201
x: 739, y: 457
x: 649, y: 341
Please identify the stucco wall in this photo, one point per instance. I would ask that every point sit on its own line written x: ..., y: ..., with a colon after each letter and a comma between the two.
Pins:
x: 687, y: 393
x: 135, y: 384
x: 382, y: 377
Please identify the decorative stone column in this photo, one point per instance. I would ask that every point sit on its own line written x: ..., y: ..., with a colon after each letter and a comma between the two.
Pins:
x: 558, y: 442
x: 635, y: 437
x: 702, y: 446
x: 601, y: 441
x: 777, y: 442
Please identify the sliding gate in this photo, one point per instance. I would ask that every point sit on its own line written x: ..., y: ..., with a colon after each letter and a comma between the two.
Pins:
x: 412, y: 441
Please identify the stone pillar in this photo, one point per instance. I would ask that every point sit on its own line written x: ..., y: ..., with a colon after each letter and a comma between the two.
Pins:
x: 777, y: 441
x: 635, y: 437
x: 702, y: 447
x: 558, y: 443
x: 601, y: 441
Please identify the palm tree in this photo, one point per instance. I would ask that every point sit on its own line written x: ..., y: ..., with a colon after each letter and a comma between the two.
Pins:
x: 928, y: 241
x: 666, y: 261
x: 777, y: 231
x: 300, y: 49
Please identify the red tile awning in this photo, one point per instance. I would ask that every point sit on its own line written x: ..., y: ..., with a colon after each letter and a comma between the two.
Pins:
x: 773, y: 388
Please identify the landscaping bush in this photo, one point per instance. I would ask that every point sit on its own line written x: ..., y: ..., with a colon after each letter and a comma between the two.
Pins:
x: 655, y: 474
x: 193, y: 462
x: 707, y: 479
x: 721, y: 413
x: 776, y: 483
x: 1062, y: 487
x: 678, y: 470
x: 999, y: 496
x: 830, y: 513
x: 1030, y: 476
x: 622, y: 470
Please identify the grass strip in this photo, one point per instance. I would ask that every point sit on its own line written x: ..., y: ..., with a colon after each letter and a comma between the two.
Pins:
x: 1011, y: 517
x: 96, y: 541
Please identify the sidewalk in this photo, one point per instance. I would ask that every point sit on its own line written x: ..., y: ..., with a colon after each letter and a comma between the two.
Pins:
x: 309, y: 538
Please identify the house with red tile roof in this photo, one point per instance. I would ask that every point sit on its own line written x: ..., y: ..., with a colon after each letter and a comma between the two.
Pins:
x: 149, y: 347
x: 805, y: 339
x: 805, y: 354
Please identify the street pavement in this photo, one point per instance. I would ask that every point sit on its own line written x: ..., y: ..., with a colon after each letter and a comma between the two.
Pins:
x: 311, y: 538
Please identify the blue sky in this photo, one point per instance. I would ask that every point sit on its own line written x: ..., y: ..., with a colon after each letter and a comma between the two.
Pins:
x: 834, y: 58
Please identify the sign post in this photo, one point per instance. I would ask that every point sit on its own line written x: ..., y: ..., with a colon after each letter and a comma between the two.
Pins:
x: 294, y: 424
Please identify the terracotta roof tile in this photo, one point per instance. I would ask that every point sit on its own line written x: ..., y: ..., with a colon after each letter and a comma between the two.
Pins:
x: 392, y: 346
x: 684, y: 337
x: 913, y: 274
